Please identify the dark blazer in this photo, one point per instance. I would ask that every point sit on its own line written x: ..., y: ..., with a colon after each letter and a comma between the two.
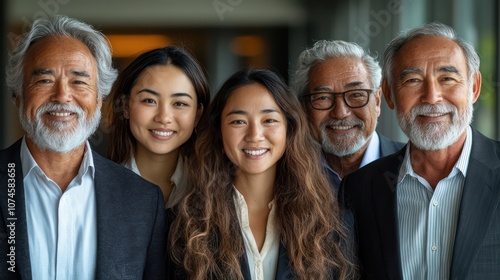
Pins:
x: 131, y: 227
x: 370, y: 194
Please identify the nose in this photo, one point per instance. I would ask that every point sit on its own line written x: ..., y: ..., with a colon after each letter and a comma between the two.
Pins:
x: 254, y: 133
x: 340, y: 109
x: 62, y: 92
x: 432, y: 93
x: 163, y: 115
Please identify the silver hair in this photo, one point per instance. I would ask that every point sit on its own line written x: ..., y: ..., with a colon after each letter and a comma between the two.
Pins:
x: 62, y: 26
x: 435, y: 29
x: 324, y: 50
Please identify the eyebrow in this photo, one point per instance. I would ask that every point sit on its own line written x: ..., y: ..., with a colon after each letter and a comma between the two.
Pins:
x: 442, y: 69
x: 245, y: 113
x: 351, y: 85
x: 448, y: 69
x: 155, y: 93
x: 40, y: 72
x: 409, y: 71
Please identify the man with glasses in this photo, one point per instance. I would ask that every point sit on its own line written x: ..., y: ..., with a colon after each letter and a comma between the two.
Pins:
x: 339, y: 87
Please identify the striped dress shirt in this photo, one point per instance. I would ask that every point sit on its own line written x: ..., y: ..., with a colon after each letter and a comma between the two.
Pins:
x: 428, y: 218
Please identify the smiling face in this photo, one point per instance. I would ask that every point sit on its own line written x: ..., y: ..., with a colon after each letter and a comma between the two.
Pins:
x: 433, y: 95
x: 253, y: 130
x: 163, y: 109
x: 344, y: 130
x: 59, y: 108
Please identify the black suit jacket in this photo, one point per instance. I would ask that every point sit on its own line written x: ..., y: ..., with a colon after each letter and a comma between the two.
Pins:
x: 131, y: 226
x: 370, y: 193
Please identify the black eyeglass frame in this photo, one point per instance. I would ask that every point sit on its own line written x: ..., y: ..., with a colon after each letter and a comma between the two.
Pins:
x: 307, y: 97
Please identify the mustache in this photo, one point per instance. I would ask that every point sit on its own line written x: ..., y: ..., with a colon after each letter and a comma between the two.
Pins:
x: 428, y: 109
x: 72, y: 108
x: 343, y: 122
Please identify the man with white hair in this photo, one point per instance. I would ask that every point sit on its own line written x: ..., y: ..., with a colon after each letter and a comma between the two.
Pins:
x: 68, y: 213
x: 339, y: 86
x: 432, y: 210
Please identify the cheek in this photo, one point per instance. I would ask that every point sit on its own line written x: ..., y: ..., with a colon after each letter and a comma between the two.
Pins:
x: 318, y: 117
x: 186, y: 119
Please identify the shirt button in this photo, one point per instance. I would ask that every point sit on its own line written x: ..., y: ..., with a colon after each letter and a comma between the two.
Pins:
x: 435, y: 202
x: 434, y: 248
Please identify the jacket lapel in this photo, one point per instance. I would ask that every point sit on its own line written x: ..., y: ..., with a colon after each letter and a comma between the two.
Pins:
x: 480, y: 195
x: 385, y: 208
x: 23, y: 265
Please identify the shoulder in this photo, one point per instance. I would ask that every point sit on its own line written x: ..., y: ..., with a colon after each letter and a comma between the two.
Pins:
x: 389, y: 146
x: 114, y: 175
x: 11, y: 155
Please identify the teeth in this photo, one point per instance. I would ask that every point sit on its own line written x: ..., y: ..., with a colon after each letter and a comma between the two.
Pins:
x: 163, y: 133
x: 65, y: 114
x: 342, y: 127
x: 255, y: 152
x: 434, y: 115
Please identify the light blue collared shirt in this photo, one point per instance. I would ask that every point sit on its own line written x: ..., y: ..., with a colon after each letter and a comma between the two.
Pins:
x: 62, y: 230
x: 428, y: 218
x: 372, y: 153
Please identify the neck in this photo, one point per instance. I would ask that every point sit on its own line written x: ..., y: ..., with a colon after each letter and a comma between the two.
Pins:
x: 258, y: 190
x: 347, y: 164
x: 158, y: 169
x: 59, y: 167
x: 433, y: 166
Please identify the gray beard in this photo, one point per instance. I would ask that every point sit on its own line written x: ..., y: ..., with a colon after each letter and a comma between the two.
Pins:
x: 59, y: 137
x: 435, y: 136
x: 344, y: 145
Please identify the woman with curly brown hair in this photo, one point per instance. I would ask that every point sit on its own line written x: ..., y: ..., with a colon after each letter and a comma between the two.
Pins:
x: 260, y: 206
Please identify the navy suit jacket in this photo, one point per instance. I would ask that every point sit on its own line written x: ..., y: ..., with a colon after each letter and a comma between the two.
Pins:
x: 131, y: 225
x: 370, y: 193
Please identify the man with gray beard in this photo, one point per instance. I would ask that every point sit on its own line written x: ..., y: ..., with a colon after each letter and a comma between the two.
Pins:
x: 339, y: 87
x: 431, y: 210
x: 68, y: 213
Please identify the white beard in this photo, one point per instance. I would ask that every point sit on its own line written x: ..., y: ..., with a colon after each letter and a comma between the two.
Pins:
x: 59, y: 137
x: 435, y: 136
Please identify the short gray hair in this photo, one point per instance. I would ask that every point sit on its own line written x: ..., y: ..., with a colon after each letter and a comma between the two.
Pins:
x: 62, y: 26
x: 434, y: 29
x: 324, y: 50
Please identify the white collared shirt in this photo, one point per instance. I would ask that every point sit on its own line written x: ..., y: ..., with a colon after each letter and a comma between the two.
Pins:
x: 62, y: 230
x: 428, y: 218
x: 178, y: 181
x: 262, y: 263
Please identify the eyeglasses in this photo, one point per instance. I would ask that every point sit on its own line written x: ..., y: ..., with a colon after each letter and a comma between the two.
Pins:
x: 325, y: 100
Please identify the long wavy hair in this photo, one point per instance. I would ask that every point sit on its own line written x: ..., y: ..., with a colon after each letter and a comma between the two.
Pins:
x: 205, y: 237
x: 123, y: 142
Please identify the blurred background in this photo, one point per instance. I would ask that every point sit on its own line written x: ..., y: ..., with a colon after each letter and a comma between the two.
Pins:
x: 226, y: 35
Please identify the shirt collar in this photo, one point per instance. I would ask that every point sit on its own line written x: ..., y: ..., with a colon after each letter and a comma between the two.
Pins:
x: 177, y: 178
x: 372, y: 153
x: 460, y: 166
x: 29, y: 164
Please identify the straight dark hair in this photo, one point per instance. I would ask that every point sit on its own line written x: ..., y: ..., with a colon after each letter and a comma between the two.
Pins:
x: 123, y: 142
